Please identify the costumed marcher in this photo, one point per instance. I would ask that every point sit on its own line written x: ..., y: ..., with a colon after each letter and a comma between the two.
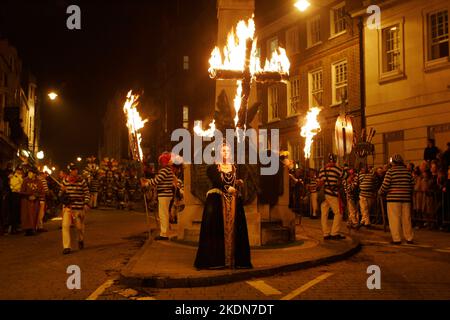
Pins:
x: 367, y: 195
x: 76, y: 192
x: 314, y: 194
x: 132, y: 187
x: 164, y: 182
x: 32, y: 192
x: 177, y: 202
x: 351, y: 192
x: 330, y: 177
x: 398, y: 186
x: 223, y: 235
x: 42, y: 202
x: 91, y: 175
x: 15, y: 183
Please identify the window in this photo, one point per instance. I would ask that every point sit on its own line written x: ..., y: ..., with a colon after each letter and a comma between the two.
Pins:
x: 438, y: 35
x: 339, y: 77
x: 273, y: 103
x: 391, y: 48
x: 272, y: 45
x: 186, y: 117
x: 337, y: 23
x: 294, y: 98
x: 186, y: 62
x: 295, y: 151
x: 318, y: 150
x: 315, y: 88
x: 292, y: 41
x: 313, y: 31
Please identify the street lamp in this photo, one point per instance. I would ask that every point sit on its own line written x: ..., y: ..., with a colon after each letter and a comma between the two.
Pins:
x: 40, y: 155
x: 79, y: 159
x: 52, y: 95
x: 302, y: 5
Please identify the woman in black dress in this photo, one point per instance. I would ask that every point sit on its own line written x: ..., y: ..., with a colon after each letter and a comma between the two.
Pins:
x: 223, y: 236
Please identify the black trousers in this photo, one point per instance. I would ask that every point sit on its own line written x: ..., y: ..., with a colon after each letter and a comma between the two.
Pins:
x: 14, y: 210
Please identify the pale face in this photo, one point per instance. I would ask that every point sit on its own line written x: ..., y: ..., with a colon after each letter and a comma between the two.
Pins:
x: 31, y: 174
x: 226, y: 154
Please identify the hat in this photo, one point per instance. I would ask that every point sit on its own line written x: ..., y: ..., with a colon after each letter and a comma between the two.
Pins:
x: 397, y: 159
x: 72, y: 166
x: 332, y: 157
x: 164, y: 159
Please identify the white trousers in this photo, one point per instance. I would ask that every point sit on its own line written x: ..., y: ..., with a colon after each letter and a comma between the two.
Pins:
x: 365, y: 204
x: 69, y: 216
x: 353, y: 215
x: 163, y: 213
x: 399, y: 214
x: 93, y: 202
x: 314, y: 203
x: 333, y: 203
x: 40, y: 221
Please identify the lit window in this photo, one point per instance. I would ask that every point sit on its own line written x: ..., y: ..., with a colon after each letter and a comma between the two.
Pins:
x: 338, y: 24
x: 185, y: 117
x: 391, y: 48
x: 315, y: 88
x: 339, y: 74
x: 273, y: 103
x: 294, y: 103
x: 313, y: 31
x: 292, y: 41
x: 438, y: 35
x: 186, y: 62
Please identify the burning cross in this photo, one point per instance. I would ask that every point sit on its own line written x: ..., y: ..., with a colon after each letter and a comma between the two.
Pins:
x: 241, y: 63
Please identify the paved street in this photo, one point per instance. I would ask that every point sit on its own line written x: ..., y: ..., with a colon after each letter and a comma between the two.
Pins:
x: 34, y: 268
x: 417, y: 271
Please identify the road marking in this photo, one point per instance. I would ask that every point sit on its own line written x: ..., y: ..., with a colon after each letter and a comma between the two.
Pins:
x: 305, y: 287
x: 100, y: 290
x: 264, y: 287
x: 442, y: 250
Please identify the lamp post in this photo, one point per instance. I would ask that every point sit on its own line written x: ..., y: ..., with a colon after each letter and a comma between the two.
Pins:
x: 52, y: 95
x: 302, y: 5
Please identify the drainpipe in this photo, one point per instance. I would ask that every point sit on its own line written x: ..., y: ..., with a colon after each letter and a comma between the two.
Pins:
x: 362, y: 83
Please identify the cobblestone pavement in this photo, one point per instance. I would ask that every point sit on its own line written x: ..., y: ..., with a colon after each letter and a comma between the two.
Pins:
x: 417, y: 271
x: 35, y: 268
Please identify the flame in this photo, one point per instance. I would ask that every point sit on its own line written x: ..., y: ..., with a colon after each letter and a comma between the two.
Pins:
x: 47, y: 170
x: 310, y: 129
x: 198, y: 129
x: 233, y: 56
x: 134, y: 120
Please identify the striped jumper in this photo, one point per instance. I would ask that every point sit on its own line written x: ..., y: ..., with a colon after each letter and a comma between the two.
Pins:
x: 367, y: 185
x: 398, y: 184
x: 164, y: 182
x: 331, y: 176
x: 77, y: 191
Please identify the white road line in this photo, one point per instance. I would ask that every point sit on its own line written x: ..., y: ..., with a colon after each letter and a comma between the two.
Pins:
x: 442, y: 250
x: 305, y: 287
x: 100, y: 290
x: 264, y: 287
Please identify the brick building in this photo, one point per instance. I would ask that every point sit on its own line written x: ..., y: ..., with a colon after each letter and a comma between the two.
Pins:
x: 322, y: 44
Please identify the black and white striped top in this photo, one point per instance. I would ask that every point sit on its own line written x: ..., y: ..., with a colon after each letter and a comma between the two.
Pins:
x: 398, y: 184
x: 164, y: 182
x: 367, y: 185
x: 351, y: 189
x: 331, y: 175
x: 312, y: 186
x: 77, y: 192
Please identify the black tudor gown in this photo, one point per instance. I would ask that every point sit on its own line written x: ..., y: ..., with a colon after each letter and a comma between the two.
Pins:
x: 223, y: 235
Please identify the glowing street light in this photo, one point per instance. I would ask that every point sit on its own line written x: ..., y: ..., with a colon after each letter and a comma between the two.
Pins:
x: 302, y: 5
x: 40, y: 155
x: 52, y: 95
x: 79, y: 159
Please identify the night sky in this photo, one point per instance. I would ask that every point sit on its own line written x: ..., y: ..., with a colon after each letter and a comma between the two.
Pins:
x: 114, y: 50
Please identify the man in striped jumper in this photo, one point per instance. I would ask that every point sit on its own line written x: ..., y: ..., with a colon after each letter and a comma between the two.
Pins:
x: 42, y: 202
x: 164, y: 181
x: 398, y: 186
x: 367, y: 195
x: 330, y: 178
x: 77, y: 194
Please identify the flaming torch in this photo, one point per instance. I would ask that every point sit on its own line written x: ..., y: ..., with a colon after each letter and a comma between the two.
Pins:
x: 134, y: 125
x: 198, y: 129
x: 239, y: 60
x: 310, y: 129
